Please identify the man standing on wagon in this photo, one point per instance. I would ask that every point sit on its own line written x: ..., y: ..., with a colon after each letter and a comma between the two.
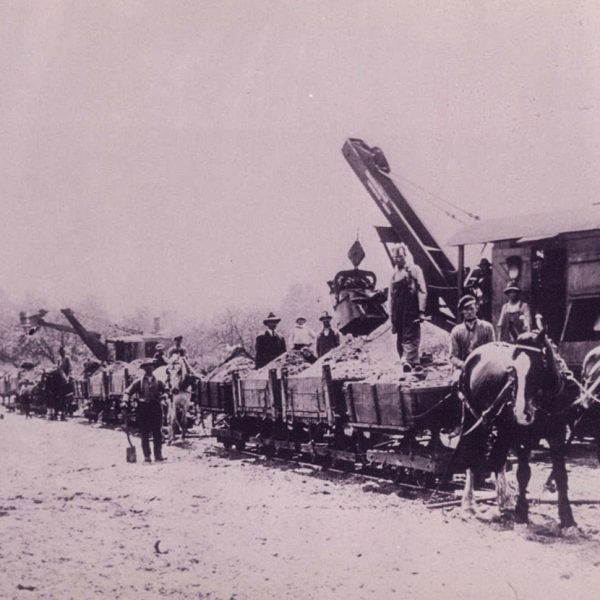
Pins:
x: 269, y: 345
x: 150, y: 391
x: 328, y: 339
x: 177, y: 348
x: 408, y: 297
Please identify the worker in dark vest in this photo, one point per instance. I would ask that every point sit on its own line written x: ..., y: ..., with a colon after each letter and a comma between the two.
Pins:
x: 270, y: 344
x: 328, y: 339
x: 159, y: 358
x: 177, y: 348
x: 407, y: 300
x: 150, y: 392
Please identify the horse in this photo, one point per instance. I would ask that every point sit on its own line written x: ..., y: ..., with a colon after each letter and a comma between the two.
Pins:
x: 588, y: 423
x: 179, y: 379
x: 54, y: 389
x: 513, y: 396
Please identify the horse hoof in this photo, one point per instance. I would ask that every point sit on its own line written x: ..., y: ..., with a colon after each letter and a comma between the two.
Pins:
x: 572, y: 532
x: 521, y: 527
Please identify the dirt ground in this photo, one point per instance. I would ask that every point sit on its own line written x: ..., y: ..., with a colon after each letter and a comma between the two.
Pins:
x: 77, y: 521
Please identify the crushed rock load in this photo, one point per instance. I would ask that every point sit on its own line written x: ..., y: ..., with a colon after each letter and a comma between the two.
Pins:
x: 434, y: 376
x: 133, y: 367
x: 293, y: 360
x: 224, y: 372
x: 375, y: 358
x: 33, y: 374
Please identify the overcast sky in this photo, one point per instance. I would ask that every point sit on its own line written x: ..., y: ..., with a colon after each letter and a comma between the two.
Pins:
x: 187, y: 154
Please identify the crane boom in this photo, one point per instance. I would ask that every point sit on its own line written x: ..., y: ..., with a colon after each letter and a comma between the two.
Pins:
x: 372, y: 168
x: 89, y: 338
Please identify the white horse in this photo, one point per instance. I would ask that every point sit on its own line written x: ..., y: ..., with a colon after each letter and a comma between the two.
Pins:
x: 179, y: 378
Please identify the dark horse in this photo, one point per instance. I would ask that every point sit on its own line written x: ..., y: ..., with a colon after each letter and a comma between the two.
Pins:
x: 54, y: 391
x: 588, y: 421
x: 513, y: 396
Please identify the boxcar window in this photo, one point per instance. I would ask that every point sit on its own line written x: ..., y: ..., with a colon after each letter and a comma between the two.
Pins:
x: 584, y: 321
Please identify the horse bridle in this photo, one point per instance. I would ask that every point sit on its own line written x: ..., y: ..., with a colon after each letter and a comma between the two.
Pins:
x: 502, y: 399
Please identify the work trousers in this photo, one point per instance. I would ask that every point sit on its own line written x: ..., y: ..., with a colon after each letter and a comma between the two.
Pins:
x: 149, y: 418
x: 408, y: 341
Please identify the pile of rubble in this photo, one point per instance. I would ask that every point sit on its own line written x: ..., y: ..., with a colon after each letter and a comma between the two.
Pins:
x: 375, y: 358
x: 294, y: 361
x: 223, y: 373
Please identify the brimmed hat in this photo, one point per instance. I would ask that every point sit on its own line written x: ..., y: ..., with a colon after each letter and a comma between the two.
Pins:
x: 301, y: 319
x: 271, y: 318
x: 466, y: 301
x: 147, y: 363
x: 325, y: 316
x: 160, y: 347
x: 512, y: 287
x: 177, y: 338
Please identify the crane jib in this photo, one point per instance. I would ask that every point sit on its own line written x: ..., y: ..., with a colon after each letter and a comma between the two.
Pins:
x: 371, y: 167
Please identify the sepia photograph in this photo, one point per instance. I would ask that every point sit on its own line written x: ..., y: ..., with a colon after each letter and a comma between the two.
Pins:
x: 299, y: 300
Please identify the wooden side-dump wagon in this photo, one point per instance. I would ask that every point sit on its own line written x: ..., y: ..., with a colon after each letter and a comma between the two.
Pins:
x: 403, y: 424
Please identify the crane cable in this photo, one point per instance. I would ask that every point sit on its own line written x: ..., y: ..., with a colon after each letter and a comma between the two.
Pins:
x: 432, y: 198
x: 107, y: 323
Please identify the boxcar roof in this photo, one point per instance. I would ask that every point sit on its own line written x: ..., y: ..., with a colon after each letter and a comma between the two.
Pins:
x: 137, y: 338
x: 534, y: 226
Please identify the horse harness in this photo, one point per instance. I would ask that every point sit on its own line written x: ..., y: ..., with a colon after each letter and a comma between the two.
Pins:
x: 503, y: 398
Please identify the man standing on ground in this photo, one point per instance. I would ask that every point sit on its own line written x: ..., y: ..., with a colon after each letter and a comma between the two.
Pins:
x: 270, y: 344
x: 468, y: 335
x: 149, y: 410
x: 407, y: 300
x: 328, y: 339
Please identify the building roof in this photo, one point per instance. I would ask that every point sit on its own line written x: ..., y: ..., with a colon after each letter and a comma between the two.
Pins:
x: 144, y: 337
x: 533, y: 226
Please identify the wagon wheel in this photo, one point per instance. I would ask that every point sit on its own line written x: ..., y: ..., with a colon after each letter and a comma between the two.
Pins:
x: 268, y: 451
x: 327, y: 462
x: 425, y: 479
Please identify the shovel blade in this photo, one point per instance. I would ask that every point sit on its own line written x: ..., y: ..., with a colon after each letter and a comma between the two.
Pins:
x: 131, y: 455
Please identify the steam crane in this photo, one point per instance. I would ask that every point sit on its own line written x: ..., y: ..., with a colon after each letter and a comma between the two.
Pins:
x: 125, y: 348
x: 32, y: 323
x: 372, y: 168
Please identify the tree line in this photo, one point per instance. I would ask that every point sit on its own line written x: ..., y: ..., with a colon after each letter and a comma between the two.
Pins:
x: 208, y: 340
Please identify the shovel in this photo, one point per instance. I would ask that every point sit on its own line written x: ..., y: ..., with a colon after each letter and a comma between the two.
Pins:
x: 130, y: 454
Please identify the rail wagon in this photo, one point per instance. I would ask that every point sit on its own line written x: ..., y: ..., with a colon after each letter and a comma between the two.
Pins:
x: 403, y: 424
x: 256, y: 411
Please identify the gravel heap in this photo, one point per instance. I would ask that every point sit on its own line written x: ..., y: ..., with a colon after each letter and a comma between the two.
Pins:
x: 375, y: 359
x: 294, y: 361
x: 224, y: 372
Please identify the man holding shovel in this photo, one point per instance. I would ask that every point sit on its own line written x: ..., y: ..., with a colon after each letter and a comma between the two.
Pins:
x: 149, y: 410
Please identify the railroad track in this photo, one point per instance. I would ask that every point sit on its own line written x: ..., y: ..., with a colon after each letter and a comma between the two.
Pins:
x: 362, y: 474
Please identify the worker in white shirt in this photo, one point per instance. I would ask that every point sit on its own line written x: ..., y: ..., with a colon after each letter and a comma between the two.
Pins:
x: 301, y: 335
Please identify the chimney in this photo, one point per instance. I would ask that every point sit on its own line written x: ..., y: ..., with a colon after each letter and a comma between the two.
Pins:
x: 156, y: 324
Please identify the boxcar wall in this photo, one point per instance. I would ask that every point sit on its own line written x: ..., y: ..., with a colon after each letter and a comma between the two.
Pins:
x: 560, y: 278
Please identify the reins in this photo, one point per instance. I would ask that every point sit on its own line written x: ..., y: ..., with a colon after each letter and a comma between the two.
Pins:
x: 501, y: 400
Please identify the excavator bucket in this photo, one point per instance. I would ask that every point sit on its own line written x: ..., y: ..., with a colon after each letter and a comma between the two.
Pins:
x: 357, y: 304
